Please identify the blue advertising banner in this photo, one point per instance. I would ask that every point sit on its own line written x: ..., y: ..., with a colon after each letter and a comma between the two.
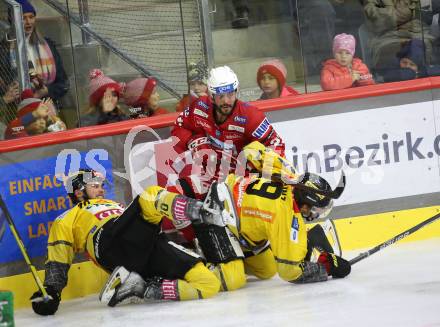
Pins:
x: 34, y: 194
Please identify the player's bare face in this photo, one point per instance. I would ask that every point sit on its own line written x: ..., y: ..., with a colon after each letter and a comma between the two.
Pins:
x: 225, y: 102
x: 95, y: 191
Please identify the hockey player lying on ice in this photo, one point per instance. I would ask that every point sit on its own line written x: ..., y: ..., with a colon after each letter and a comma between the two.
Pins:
x: 146, y: 266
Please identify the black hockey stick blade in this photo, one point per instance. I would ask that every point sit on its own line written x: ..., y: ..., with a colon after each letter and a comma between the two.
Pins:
x: 333, y: 194
x: 2, y: 225
x: 395, y: 239
x: 337, y: 192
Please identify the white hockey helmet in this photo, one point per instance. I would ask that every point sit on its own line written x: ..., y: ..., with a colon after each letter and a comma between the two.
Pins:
x: 222, y: 80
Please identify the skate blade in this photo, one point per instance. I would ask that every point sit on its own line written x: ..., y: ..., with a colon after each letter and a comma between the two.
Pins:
x: 119, y: 275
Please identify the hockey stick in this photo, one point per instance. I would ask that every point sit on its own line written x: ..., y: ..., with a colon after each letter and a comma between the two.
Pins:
x: 333, y: 194
x: 2, y: 225
x: 330, y: 230
x: 394, y: 239
x: 17, y: 237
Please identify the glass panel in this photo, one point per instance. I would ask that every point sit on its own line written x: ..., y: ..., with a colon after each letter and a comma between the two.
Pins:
x: 320, y: 21
x: 251, y: 36
x: 41, y: 108
x: 52, y: 25
x: 10, y: 81
x: 430, y: 16
x: 400, y: 44
x: 151, y: 35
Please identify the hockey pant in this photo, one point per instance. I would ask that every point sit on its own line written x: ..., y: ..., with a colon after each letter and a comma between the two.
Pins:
x: 136, y: 243
x: 232, y: 275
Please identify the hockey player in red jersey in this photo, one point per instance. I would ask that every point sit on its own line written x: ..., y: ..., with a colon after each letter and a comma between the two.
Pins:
x: 216, y: 128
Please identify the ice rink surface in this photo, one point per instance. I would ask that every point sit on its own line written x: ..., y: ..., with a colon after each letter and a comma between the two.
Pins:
x: 398, y: 286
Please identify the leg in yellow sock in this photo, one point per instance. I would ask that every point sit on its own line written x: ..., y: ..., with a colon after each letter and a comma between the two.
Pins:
x: 262, y: 265
x: 198, y: 283
x: 231, y: 274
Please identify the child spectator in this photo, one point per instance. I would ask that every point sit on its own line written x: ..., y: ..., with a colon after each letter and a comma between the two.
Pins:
x: 410, y: 63
x: 142, y: 96
x: 344, y: 71
x: 103, y: 97
x: 197, y: 77
x: 271, y: 78
x: 34, y: 116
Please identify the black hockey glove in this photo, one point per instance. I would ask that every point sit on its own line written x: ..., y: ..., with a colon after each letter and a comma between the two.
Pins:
x: 46, y: 308
x: 336, y: 267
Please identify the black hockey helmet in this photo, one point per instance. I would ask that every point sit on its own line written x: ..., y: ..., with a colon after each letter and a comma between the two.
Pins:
x: 320, y: 205
x: 79, y: 180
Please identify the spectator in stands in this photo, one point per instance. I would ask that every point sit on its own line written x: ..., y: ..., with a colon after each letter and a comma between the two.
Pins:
x: 344, y: 71
x: 429, y: 10
x: 197, y: 77
x: 34, y: 117
x: 239, y: 10
x: 391, y: 23
x: 104, y: 95
x: 410, y: 63
x: 271, y: 78
x: 48, y: 78
x: 9, y: 97
x: 142, y: 96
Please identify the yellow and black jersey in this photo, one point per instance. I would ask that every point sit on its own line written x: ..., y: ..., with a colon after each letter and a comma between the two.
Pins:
x: 75, y: 228
x: 266, y: 213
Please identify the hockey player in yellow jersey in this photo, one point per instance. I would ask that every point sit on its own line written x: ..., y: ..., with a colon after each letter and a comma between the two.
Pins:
x: 267, y: 223
x: 128, y: 242
x: 269, y: 208
x: 145, y: 265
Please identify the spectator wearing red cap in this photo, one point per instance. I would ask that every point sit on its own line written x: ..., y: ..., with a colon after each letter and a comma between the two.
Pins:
x: 142, y: 97
x: 271, y: 78
x: 344, y: 71
x: 104, y: 94
x: 34, y: 116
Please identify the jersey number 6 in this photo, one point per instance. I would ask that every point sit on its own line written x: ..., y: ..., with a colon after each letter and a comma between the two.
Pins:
x: 269, y: 190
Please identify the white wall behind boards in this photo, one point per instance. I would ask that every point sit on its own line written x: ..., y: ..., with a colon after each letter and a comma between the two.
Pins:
x: 386, y: 153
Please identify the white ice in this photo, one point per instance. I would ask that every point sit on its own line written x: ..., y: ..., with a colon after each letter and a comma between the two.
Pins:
x: 398, y: 286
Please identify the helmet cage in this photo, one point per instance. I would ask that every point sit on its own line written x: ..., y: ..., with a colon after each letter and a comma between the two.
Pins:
x: 79, y: 180
x: 321, y: 212
x: 320, y: 205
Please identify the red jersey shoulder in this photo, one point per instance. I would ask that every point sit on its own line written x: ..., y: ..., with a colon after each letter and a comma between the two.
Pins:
x: 242, y: 113
x: 252, y: 118
x: 202, y: 103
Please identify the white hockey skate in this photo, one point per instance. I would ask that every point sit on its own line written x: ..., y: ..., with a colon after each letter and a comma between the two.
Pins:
x: 219, y: 207
x: 129, y: 287
x: 119, y: 276
x: 123, y: 286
